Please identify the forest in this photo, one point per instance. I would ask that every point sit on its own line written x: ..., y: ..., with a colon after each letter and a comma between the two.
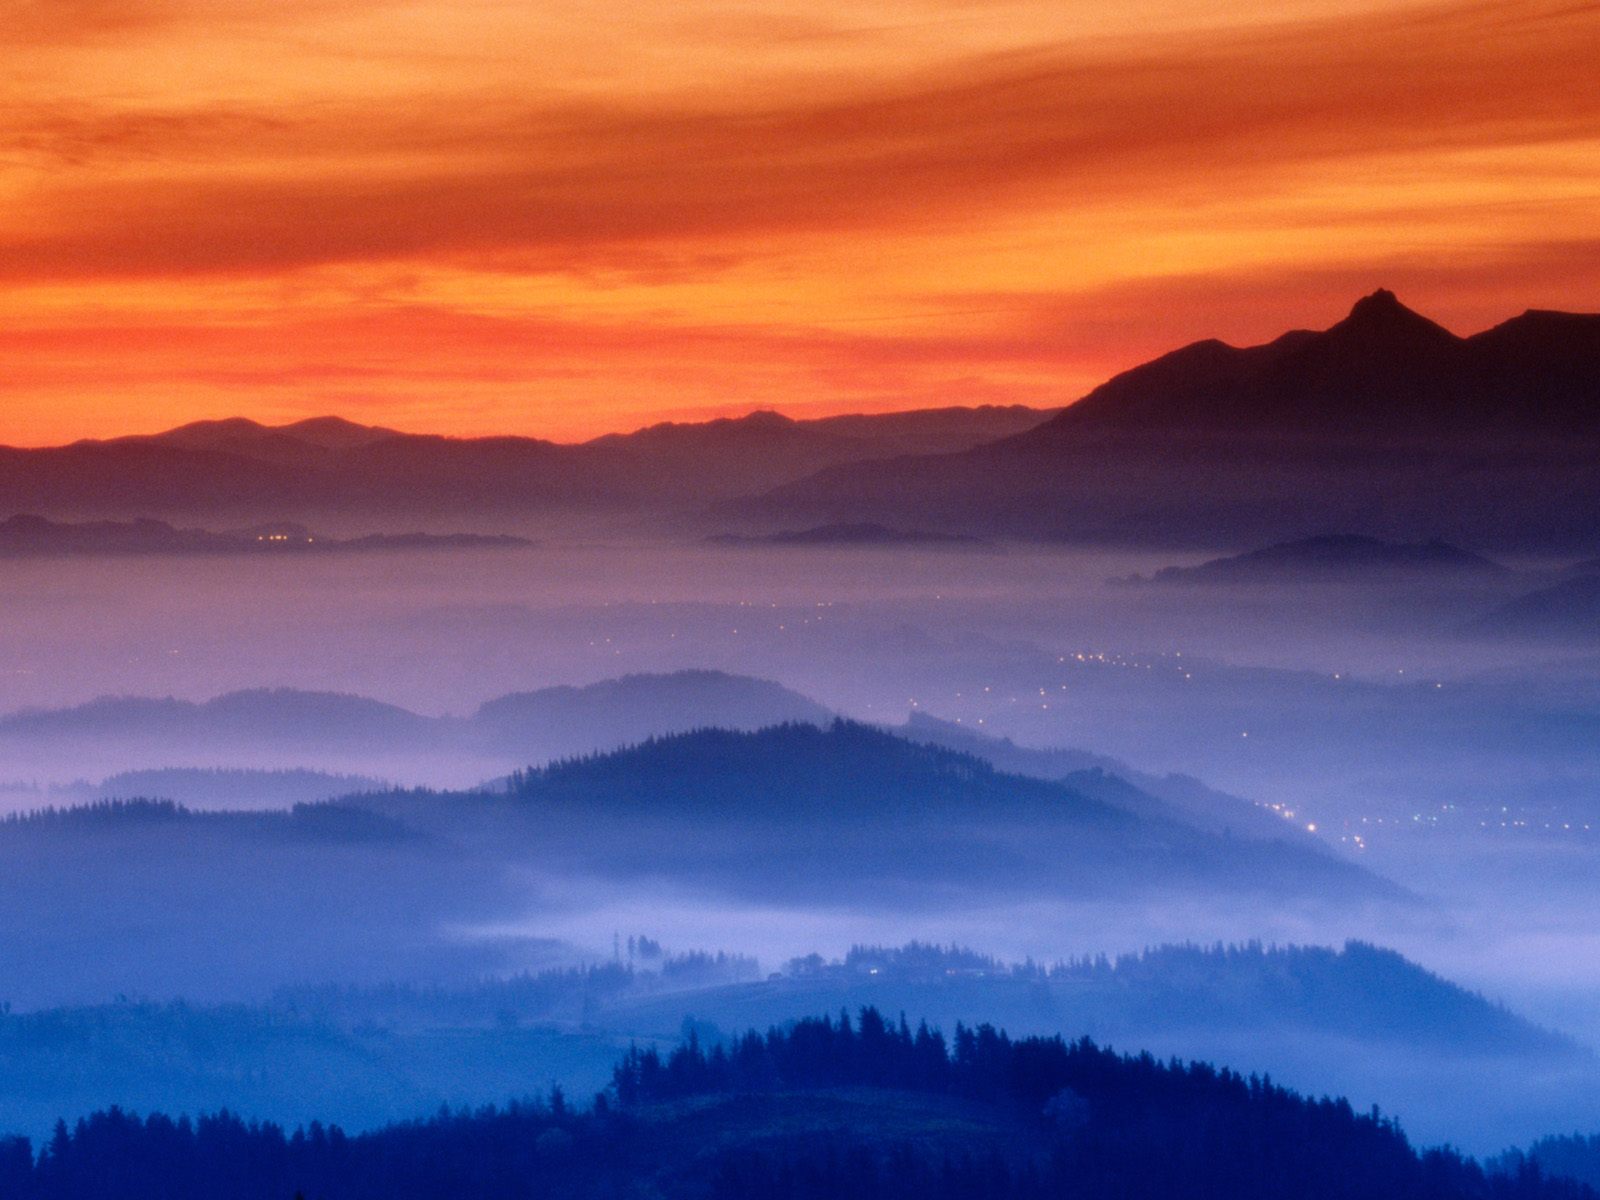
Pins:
x: 824, y: 1107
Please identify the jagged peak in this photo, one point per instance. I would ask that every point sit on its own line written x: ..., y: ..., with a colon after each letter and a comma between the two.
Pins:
x: 1382, y: 311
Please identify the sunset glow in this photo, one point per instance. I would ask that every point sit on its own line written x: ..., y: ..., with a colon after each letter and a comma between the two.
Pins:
x: 563, y: 218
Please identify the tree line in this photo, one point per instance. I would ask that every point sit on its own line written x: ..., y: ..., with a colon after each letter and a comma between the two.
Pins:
x: 1073, y: 1120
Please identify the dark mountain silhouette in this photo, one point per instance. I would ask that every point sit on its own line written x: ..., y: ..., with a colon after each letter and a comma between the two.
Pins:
x: 1334, y: 556
x: 861, y: 534
x: 27, y: 535
x: 1382, y: 370
x: 1569, y: 610
x: 1385, y: 425
x: 235, y: 467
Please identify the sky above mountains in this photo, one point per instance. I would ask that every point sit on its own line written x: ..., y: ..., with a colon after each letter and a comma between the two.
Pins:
x: 564, y: 218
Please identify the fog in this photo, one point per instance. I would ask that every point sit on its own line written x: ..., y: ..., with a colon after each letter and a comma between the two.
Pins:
x: 1380, y: 719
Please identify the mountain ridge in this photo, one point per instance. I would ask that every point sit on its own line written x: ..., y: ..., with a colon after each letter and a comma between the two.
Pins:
x: 237, y: 466
x: 1384, y: 425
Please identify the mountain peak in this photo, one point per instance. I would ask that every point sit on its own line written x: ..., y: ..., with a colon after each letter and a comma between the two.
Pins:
x: 1382, y: 301
x: 1382, y: 313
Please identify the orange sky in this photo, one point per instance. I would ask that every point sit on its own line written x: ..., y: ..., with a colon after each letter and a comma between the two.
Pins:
x: 561, y: 217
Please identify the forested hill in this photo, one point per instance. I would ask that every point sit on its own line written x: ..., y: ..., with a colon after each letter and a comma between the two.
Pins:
x: 857, y: 807
x: 825, y: 1109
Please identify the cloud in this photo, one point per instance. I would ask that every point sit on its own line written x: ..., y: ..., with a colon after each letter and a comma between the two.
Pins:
x: 541, y: 184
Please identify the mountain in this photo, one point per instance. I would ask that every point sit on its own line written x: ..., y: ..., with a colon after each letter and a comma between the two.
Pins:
x: 863, y: 534
x: 1334, y: 556
x: 1569, y: 610
x: 284, y: 727
x: 852, y: 812
x: 1383, y: 370
x: 1384, y: 425
x: 28, y: 536
x: 261, y: 715
x: 238, y: 467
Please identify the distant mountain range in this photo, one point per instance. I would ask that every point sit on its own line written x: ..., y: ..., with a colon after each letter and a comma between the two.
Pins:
x: 1334, y: 556
x: 866, y: 533
x: 284, y: 727
x: 141, y: 740
x: 1385, y: 425
x: 851, y: 813
x: 238, y: 467
x: 30, y: 536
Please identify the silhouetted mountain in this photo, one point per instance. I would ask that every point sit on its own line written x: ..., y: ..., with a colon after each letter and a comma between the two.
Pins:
x: 864, y: 534
x: 1569, y: 610
x: 1335, y: 556
x: 237, y: 466
x: 1382, y: 370
x: 1384, y: 425
x: 26, y: 535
